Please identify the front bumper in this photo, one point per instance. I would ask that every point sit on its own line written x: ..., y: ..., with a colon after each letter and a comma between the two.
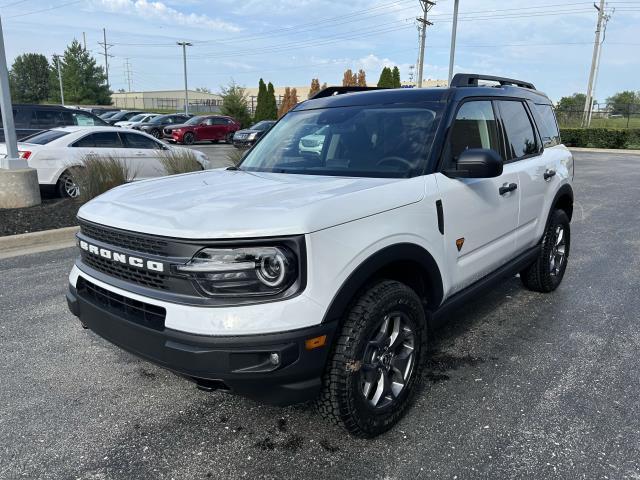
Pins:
x: 240, y: 364
x: 243, y: 143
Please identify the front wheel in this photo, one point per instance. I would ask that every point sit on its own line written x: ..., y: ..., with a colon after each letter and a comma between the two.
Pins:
x: 67, y: 185
x: 546, y: 273
x: 188, y: 138
x: 376, y: 362
x: 229, y: 138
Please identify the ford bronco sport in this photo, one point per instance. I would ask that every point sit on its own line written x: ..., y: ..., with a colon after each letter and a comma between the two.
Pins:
x: 303, y: 276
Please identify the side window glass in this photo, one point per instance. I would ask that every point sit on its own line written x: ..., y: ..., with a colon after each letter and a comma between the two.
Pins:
x: 83, y: 119
x: 134, y: 140
x: 100, y: 140
x: 474, y: 127
x: 218, y: 121
x: 548, y: 126
x: 521, y: 139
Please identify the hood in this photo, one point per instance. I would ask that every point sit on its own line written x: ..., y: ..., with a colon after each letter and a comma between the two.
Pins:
x: 218, y: 204
x: 248, y: 130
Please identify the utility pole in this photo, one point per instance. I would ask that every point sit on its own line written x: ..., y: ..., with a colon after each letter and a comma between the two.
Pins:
x: 452, y: 48
x: 106, y: 47
x: 7, y: 114
x: 127, y: 72
x: 605, y: 20
x: 57, y: 57
x: 84, y: 40
x: 184, y: 46
x: 424, y: 23
x: 594, y: 59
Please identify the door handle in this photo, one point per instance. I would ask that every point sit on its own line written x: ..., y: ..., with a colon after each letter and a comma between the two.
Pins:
x: 507, y: 187
x: 139, y: 154
x: 549, y: 173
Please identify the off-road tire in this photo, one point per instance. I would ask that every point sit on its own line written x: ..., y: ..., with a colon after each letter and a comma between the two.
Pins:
x: 341, y: 400
x: 539, y: 276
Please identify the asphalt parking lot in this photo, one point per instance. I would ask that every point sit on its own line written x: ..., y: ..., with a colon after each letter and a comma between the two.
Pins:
x: 520, y: 385
x: 217, y: 153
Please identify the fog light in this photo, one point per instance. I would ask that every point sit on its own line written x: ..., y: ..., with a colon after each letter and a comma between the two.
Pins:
x: 274, y: 358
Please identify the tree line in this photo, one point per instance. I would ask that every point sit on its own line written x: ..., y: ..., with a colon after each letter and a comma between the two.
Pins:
x: 622, y: 103
x: 33, y: 79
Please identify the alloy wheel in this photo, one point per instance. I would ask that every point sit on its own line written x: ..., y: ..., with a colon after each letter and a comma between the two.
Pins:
x: 70, y: 187
x: 388, y: 361
x: 557, y: 256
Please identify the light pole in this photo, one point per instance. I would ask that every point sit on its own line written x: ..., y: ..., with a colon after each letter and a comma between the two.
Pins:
x: 184, y: 61
x: 18, y: 183
x: 454, y: 29
x: 57, y: 57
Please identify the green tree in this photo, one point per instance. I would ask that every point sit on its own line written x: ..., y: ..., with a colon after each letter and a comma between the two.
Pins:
x: 29, y: 78
x: 262, y: 109
x: 234, y: 103
x: 272, y: 112
x: 572, y: 103
x: 386, y: 78
x: 624, y: 103
x: 83, y: 81
x: 396, y: 77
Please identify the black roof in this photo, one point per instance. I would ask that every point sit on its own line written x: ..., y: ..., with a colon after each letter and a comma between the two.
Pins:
x: 463, y: 86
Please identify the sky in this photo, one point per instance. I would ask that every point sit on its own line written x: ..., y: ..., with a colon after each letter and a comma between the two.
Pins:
x: 289, y: 42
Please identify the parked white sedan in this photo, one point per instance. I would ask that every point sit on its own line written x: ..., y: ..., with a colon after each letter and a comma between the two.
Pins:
x: 54, y: 152
x: 136, y: 119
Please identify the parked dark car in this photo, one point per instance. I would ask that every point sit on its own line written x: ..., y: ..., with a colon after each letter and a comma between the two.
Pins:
x: 155, y: 126
x: 211, y: 128
x: 247, y: 137
x: 102, y: 110
x: 31, y: 118
x: 121, y: 116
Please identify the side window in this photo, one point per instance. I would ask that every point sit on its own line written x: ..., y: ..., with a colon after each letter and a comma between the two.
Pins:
x: 100, y: 140
x: 83, y: 119
x: 521, y: 138
x: 49, y: 119
x: 218, y: 121
x: 474, y: 127
x: 548, y: 125
x: 133, y: 140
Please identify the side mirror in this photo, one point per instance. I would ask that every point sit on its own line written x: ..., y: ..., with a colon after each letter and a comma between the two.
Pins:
x: 477, y: 163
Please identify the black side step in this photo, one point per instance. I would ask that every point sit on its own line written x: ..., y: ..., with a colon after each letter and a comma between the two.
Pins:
x: 463, y: 296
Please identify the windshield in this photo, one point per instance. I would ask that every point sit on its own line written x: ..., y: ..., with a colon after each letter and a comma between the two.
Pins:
x: 139, y: 117
x: 357, y: 141
x: 42, y: 138
x: 195, y: 120
x: 159, y: 119
x: 263, y: 125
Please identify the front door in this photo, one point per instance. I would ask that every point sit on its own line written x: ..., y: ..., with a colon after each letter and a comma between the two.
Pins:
x: 143, y: 154
x: 479, y: 221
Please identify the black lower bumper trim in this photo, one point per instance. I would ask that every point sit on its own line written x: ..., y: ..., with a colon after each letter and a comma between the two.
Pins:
x: 241, y: 364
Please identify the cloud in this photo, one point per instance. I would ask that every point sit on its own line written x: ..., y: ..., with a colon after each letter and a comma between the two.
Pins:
x: 160, y: 11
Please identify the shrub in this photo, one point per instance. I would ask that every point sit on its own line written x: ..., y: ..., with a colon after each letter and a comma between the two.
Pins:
x: 235, y: 156
x: 179, y: 161
x: 98, y: 173
x: 601, y: 137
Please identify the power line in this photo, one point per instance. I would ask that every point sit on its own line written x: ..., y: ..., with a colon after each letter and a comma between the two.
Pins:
x: 46, y: 9
x: 13, y: 3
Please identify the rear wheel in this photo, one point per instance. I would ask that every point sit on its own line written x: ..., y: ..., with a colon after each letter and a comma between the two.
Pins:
x: 229, y: 138
x: 67, y: 186
x: 188, y: 138
x: 546, y: 273
x: 376, y: 362
x: 156, y: 133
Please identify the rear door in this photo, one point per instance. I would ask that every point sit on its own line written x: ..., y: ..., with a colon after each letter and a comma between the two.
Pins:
x: 479, y: 222
x: 525, y: 153
x: 220, y: 128
x: 143, y: 154
x: 106, y: 145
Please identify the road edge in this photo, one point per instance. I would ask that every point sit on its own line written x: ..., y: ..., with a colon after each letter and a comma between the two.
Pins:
x: 605, y: 150
x: 33, y: 242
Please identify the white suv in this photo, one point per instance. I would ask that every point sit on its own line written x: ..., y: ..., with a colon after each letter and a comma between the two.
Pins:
x: 300, y: 276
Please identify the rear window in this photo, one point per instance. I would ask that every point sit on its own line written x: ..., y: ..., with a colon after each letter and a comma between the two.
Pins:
x: 548, y: 126
x: 45, y: 137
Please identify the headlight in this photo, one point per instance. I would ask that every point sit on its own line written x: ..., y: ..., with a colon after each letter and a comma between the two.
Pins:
x: 243, y: 272
x: 252, y: 136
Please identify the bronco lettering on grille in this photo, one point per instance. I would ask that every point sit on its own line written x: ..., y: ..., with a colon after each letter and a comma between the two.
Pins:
x: 121, y: 257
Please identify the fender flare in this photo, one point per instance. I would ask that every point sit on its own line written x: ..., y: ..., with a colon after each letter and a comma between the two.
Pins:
x: 408, y: 252
x: 564, y: 190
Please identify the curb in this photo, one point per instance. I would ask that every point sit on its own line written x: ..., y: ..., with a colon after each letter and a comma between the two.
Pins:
x: 38, y: 239
x: 604, y: 150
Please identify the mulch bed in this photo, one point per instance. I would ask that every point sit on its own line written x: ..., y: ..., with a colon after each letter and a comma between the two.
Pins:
x: 52, y: 213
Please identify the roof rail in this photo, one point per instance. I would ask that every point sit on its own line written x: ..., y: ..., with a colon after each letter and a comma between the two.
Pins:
x: 330, y: 91
x: 471, y: 80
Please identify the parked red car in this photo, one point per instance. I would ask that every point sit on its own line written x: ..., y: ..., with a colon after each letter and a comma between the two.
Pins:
x: 212, y: 128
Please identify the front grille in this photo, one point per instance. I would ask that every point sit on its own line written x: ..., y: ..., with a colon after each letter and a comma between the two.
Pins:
x: 142, y: 277
x: 138, y: 243
x: 147, y: 315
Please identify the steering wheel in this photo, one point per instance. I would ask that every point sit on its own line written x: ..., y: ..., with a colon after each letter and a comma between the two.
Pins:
x: 402, y: 161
